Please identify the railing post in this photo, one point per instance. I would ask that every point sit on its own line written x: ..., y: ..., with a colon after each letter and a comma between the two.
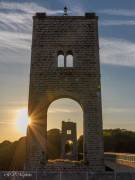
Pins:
x: 87, y: 175
x: 60, y: 175
x: 115, y: 175
x: 36, y: 174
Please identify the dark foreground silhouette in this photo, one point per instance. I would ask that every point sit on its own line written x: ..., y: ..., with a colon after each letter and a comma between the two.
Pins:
x: 12, y: 154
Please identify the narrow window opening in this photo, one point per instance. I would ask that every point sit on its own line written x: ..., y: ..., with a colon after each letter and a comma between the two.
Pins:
x: 60, y: 60
x: 68, y: 131
x: 69, y: 60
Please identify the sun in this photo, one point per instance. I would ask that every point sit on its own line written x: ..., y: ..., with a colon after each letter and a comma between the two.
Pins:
x: 22, y: 121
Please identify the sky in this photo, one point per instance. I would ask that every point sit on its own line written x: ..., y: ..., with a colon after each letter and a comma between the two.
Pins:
x: 117, y: 57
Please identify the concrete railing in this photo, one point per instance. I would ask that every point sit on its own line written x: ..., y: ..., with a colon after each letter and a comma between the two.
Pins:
x: 122, y: 158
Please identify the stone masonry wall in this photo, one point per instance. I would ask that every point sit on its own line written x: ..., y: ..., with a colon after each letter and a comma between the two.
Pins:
x: 66, y: 126
x: 79, y: 35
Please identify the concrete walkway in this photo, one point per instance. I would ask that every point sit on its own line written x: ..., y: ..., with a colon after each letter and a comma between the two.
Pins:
x: 119, y: 167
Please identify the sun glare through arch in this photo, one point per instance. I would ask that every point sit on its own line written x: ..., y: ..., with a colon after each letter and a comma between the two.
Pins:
x: 22, y: 121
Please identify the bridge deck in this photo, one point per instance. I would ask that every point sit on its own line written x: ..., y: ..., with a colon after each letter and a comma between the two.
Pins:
x: 120, y: 162
x: 119, y: 167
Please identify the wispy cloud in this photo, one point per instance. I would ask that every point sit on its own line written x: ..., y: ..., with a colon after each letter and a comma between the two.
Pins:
x: 28, y: 8
x: 122, y: 13
x: 16, y: 28
x: 118, y: 12
x: 117, y: 52
x: 119, y: 110
x: 77, y: 10
x: 63, y: 110
x: 14, y: 41
x: 74, y: 7
x: 117, y: 23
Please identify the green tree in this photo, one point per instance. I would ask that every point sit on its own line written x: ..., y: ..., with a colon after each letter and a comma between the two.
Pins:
x: 54, y: 143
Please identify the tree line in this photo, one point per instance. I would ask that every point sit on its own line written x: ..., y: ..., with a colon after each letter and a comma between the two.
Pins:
x: 12, y: 154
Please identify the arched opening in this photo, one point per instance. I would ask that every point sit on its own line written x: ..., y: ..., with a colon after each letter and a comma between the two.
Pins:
x: 60, y: 59
x: 64, y: 129
x: 69, y: 60
x: 69, y: 147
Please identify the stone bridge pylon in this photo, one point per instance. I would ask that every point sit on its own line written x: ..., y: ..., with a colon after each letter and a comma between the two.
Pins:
x: 69, y: 137
x: 65, y: 64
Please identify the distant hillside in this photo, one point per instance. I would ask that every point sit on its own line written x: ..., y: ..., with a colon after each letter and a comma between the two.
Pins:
x: 12, y: 155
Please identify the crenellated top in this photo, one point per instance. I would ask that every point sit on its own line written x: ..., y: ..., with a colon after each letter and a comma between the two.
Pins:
x: 88, y: 15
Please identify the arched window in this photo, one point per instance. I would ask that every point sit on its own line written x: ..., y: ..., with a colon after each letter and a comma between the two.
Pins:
x: 65, y: 61
x: 69, y: 60
x: 60, y: 60
x: 69, y: 147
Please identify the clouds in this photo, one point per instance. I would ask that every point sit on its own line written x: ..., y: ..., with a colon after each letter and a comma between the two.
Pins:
x: 118, y: 12
x: 18, y: 16
x: 64, y: 110
x: 16, y: 30
x: 118, y: 110
x: 14, y: 40
x: 14, y: 47
x: 15, y: 22
x: 125, y: 17
x: 28, y: 8
x: 117, y: 52
x: 117, y: 23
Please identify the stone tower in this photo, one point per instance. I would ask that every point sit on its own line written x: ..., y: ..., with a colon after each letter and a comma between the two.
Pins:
x: 69, y: 134
x: 65, y: 64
